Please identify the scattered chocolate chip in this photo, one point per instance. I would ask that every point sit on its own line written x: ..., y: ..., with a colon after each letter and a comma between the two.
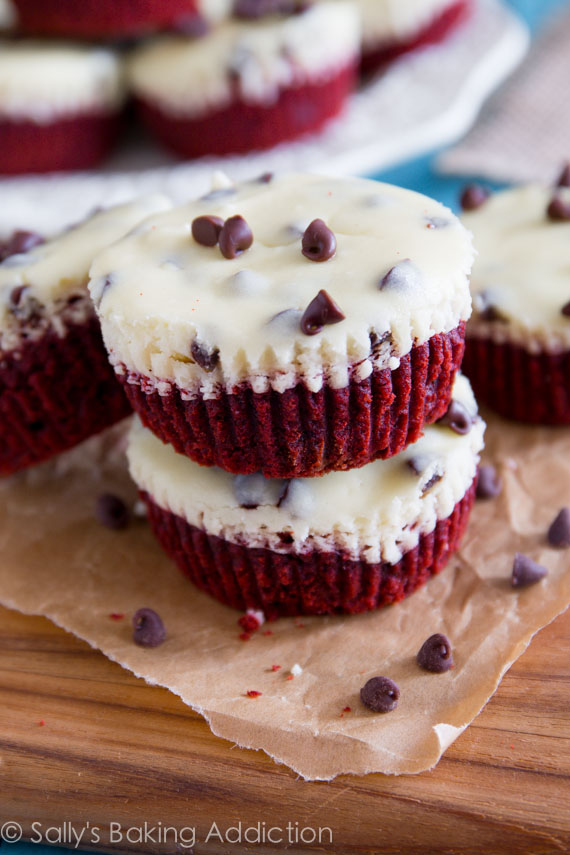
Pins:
x: 319, y: 242
x: 206, y: 230
x: 112, y: 512
x: 285, y: 537
x: 207, y: 358
x: 457, y: 418
x: 559, y: 531
x: 435, y: 654
x: 148, y: 628
x: 380, y: 694
x: 558, y: 211
x: 19, y: 242
x: 564, y: 177
x: 235, y: 237
x: 418, y: 465
x: 405, y: 274
x: 473, y: 196
x: 526, y: 571
x: 322, y: 310
x: 489, y: 484
x: 566, y: 310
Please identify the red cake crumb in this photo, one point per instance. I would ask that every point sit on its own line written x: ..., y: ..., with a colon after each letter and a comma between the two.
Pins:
x: 252, y: 693
x: 116, y: 615
x: 276, y: 667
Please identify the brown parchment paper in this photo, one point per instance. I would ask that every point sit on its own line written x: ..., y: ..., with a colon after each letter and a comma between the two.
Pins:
x: 56, y: 560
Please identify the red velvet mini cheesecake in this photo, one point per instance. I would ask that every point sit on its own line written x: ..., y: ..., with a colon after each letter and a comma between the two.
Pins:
x: 56, y: 385
x: 291, y: 325
x: 518, y: 341
x: 344, y: 543
x: 395, y: 27
x: 60, y: 106
x: 100, y: 19
x: 248, y: 84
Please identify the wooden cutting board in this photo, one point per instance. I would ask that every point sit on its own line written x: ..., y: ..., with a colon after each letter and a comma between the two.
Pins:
x: 82, y: 740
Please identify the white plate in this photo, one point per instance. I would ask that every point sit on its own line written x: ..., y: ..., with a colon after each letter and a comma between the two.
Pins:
x: 424, y: 100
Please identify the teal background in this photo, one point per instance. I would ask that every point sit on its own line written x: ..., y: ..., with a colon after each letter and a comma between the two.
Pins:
x: 417, y: 175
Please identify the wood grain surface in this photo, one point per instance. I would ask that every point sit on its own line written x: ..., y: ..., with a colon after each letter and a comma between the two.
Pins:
x: 113, y: 750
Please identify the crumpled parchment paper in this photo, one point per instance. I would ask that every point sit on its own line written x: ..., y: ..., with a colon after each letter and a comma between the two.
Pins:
x: 56, y: 560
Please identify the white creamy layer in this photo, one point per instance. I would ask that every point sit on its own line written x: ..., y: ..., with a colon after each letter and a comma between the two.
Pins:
x: 53, y: 272
x: 387, y: 21
x: 522, y: 270
x: 43, y: 82
x: 376, y: 513
x: 167, y: 291
x: 252, y: 60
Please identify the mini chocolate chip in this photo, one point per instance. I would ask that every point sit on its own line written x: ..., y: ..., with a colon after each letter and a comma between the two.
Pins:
x: 285, y: 537
x: 220, y: 193
x: 435, y: 478
x: 473, y: 196
x: 566, y: 310
x: 148, y: 628
x: 457, y: 418
x: 559, y: 531
x: 435, y: 654
x: 112, y: 512
x: 558, y: 211
x: 16, y: 294
x: 405, y: 274
x: 206, y: 230
x: 380, y: 694
x: 20, y: 242
x: 376, y: 340
x: 489, y: 484
x: 564, y: 177
x: 207, y: 358
x: 235, y: 237
x: 526, y: 571
x: 319, y: 243
x: 254, y: 490
x: 322, y: 310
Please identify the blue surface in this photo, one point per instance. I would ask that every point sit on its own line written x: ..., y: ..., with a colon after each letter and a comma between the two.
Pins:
x: 417, y: 175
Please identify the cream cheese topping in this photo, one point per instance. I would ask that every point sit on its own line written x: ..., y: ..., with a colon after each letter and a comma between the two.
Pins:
x: 42, y: 82
x: 50, y: 274
x: 522, y: 273
x: 252, y: 60
x: 386, y: 21
x: 375, y: 513
x: 167, y: 291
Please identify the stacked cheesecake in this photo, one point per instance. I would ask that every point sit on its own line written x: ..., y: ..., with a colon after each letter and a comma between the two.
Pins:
x: 291, y: 346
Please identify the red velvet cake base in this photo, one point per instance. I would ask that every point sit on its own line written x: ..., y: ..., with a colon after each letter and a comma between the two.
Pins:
x: 312, y: 584
x: 526, y: 387
x: 54, y: 393
x: 243, y: 127
x: 78, y: 142
x: 435, y: 32
x: 92, y: 19
x: 301, y: 433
